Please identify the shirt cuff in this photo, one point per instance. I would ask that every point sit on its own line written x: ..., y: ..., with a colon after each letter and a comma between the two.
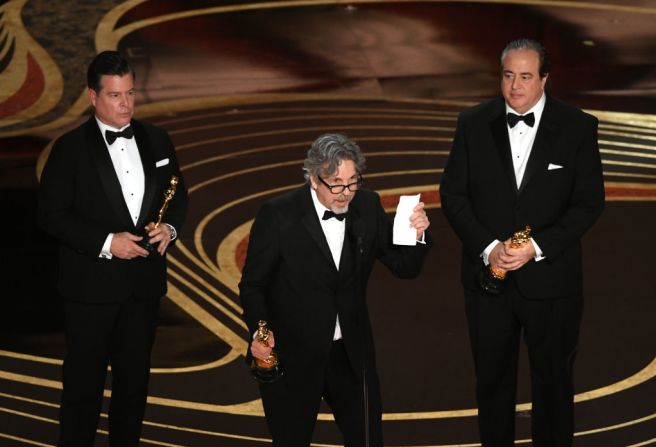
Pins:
x: 174, y: 234
x: 538, y: 252
x: 486, y: 253
x: 106, y: 253
x: 423, y: 238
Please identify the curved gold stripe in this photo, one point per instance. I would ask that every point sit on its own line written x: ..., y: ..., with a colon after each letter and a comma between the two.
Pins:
x: 14, y: 75
x: 616, y: 426
x: 219, y: 276
x: 237, y: 344
x: 392, y: 138
x: 628, y: 153
x: 225, y: 254
x: 53, y: 421
x: 628, y: 163
x: 30, y: 357
x: 234, y: 340
x: 410, y: 113
x: 254, y: 408
x: 635, y: 119
x: 651, y: 441
x: 283, y: 119
x: 24, y: 440
x: 245, y: 136
x: 31, y: 416
x: 211, y: 289
x: 628, y: 129
x: 207, y: 432
x: 29, y: 400
x: 307, y: 144
x: 198, y: 233
x: 648, y: 186
x: 635, y: 136
x: 251, y: 408
x: 629, y: 174
x: 626, y: 144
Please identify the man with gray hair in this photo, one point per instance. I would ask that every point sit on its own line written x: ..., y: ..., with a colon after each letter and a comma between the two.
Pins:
x: 309, y: 258
x: 522, y: 185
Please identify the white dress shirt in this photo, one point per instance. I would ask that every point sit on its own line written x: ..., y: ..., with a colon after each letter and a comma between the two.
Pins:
x: 334, y: 230
x: 521, y: 139
x: 129, y: 170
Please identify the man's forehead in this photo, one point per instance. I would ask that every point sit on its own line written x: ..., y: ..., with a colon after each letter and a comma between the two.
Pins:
x: 343, y: 169
x: 524, y: 55
x: 117, y: 82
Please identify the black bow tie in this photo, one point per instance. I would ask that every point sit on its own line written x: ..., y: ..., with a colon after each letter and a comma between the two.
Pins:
x: 328, y: 214
x: 513, y: 119
x: 111, y: 136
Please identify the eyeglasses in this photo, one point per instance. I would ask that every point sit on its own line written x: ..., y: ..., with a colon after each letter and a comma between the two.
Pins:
x: 338, y: 189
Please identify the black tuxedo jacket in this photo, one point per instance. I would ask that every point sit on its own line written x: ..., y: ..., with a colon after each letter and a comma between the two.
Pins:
x: 81, y: 202
x: 560, y: 197
x: 290, y: 279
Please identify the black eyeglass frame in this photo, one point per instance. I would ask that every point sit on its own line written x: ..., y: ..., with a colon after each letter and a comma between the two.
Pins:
x: 333, y: 188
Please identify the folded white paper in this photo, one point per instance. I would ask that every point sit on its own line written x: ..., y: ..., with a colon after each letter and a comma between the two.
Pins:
x: 552, y: 166
x: 162, y: 162
x: 403, y: 233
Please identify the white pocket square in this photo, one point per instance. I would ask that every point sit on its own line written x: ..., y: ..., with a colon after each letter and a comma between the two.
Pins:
x: 552, y: 166
x: 165, y: 161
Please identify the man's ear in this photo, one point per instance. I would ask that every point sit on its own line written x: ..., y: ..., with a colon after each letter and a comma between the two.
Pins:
x: 93, y: 96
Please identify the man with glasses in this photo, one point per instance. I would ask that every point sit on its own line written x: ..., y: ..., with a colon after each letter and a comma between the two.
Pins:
x: 309, y: 258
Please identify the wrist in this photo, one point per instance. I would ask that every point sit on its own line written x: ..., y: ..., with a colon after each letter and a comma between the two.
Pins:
x: 174, y: 233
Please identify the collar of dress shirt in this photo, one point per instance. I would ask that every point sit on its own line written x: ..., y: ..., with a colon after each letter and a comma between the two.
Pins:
x: 320, y: 208
x: 537, y: 110
x: 103, y: 127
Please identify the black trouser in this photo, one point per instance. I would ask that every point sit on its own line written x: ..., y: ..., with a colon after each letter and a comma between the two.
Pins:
x: 122, y: 335
x: 550, y: 329
x: 291, y: 410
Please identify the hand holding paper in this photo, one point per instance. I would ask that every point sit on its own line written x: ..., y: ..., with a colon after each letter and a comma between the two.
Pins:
x: 410, y: 221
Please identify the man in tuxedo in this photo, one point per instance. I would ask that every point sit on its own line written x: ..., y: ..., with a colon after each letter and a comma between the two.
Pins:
x: 309, y: 258
x: 524, y: 159
x: 101, y: 191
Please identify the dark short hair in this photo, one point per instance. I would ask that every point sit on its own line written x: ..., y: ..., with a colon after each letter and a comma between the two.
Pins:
x: 107, y: 63
x: 327, y: 153
x: 529, y: 44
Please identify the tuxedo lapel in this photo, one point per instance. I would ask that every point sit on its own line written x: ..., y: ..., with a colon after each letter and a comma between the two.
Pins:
x: 349, y: 255
x: 544, y: 139
x: 103, y: 162
x: 499, y: 130
x: 311, y: 223
x: 148, y: 164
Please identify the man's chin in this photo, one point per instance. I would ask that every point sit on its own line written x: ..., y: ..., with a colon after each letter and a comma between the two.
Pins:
x: 339, y: 209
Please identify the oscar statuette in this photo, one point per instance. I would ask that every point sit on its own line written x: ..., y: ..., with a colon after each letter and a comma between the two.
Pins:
x: 491, y: 278
x: 269, y: 370
x: 168, y: 195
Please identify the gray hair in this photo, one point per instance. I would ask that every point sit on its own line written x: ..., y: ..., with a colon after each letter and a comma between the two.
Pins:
x: 327, y: 153
x: 529, y: 44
